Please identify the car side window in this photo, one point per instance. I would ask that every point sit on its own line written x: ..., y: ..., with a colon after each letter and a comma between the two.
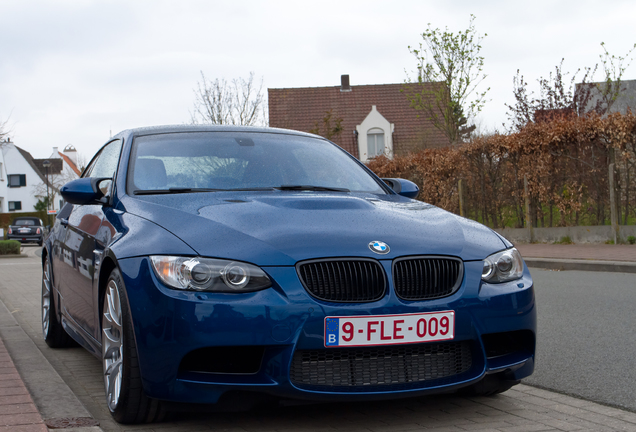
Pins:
x: 105, y: 164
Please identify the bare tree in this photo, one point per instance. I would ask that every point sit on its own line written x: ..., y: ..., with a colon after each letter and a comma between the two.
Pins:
x: 452, y: 61
x: 325, y: 128
x: 609, y: 90
x: 56, y: 181
x: 239, y: 102
x: 4, y: 129
x: 557, y: 97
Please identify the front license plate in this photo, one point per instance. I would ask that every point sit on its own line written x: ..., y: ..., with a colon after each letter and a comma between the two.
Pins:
x: 389, y: 329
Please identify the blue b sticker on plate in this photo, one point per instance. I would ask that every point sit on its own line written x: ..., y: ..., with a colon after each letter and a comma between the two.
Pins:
x: 331, y: 331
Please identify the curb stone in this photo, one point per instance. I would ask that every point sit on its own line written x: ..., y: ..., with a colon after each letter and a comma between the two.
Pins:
x: 582, y: 265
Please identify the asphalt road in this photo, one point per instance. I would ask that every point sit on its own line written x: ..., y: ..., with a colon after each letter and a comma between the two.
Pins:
x: 586, y: 343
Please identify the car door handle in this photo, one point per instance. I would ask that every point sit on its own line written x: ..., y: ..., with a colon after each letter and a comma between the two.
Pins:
x: 64, y: 222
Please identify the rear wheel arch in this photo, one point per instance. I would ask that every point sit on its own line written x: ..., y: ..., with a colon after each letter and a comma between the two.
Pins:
x: 108, y: 265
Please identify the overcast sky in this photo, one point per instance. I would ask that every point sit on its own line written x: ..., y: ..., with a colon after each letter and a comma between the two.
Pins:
x: 73, y: 71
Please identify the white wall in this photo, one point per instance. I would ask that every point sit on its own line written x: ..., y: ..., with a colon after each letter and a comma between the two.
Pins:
x: 14, y: 163
x: 3, y: 185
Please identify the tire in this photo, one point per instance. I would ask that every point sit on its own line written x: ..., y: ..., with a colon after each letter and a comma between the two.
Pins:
x: 54, y: 334
x: 127, y: 402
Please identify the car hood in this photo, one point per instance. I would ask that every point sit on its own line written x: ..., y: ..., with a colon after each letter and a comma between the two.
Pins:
x: 282, y: 227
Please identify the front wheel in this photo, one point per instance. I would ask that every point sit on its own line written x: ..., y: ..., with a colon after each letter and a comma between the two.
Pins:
x: 125, y: 396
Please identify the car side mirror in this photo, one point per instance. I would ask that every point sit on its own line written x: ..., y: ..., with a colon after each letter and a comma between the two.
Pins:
x: 86, y: 190
x: 403, y: 187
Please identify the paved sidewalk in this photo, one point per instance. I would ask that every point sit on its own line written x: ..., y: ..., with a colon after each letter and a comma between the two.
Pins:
x: 68, y: 383
x: 584, y: 257
x: 600, y: 252
x: 56, y: 405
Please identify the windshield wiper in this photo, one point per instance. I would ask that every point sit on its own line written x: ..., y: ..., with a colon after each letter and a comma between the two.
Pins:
x: 311, y: 188
x: 173, y: 190
x: 176, y: 190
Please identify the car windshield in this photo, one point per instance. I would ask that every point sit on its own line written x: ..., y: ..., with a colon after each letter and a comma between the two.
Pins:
x: 216, y: 161
x: 25, y: 222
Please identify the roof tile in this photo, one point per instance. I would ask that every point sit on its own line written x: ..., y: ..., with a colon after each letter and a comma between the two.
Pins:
x: 303, y: 108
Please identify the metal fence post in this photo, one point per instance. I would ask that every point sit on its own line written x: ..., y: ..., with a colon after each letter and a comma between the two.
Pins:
x: 528, y: 219
x: 460, y: 190
x: 613, y: 215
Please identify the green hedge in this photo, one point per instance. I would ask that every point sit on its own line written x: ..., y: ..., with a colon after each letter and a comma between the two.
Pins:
x: 9, y: 247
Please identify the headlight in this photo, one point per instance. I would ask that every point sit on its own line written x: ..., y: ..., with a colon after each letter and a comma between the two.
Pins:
x: 205, y: 274
x: 503, y: 266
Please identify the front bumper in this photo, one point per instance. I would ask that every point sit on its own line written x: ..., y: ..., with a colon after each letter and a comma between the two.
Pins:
x: 285, y: 320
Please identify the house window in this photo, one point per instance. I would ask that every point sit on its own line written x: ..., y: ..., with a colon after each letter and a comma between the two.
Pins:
x: 15, y: 205
x: 17, y: 180
x: 375, y: 142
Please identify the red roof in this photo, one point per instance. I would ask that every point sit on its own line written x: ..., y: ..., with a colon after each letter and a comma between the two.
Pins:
x: 302, y: 108
x: 70, y: 163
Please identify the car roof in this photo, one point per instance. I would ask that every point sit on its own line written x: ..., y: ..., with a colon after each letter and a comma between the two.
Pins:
x: 152, y: 130
x: 26, y: 217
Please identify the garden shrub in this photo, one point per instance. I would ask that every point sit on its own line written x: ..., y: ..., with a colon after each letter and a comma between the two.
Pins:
x: 564, y: 161
x: 10, y: 247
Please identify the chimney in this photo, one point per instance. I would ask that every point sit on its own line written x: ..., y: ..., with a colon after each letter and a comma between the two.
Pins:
x: 56, y: 154
x: 344, y: 83
x: 70, y: 151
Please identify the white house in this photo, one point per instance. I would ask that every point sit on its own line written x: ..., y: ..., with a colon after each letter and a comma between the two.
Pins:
x: 21, y: 177
x: 62, y: 169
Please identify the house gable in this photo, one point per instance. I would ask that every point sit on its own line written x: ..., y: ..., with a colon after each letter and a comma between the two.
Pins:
x: 19, y: 163
x: 375, y: 136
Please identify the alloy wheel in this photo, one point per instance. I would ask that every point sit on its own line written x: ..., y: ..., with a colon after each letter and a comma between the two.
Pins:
x: 46, y: 299
x: 112, y: 345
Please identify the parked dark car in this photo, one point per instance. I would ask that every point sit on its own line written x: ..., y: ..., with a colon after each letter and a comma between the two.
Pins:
x: 26, y: 230
x: 202, y: 263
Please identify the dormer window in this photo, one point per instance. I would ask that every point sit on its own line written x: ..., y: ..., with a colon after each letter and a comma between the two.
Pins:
x: 375, y: 142
x: 375, y: 136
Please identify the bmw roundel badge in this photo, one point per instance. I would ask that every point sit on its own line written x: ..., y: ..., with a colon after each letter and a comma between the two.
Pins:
x: 379, y: 247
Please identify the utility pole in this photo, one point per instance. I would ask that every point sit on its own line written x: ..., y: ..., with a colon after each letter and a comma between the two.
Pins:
x: 46, y: 164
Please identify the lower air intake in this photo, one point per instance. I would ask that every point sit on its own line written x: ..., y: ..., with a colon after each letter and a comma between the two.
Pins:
x: 403, y: 366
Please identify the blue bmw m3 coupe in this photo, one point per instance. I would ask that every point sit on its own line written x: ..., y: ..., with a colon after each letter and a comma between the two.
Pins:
x: 199, y: 262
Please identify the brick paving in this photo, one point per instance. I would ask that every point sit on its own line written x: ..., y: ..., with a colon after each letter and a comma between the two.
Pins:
x: 17, y: 411
x: 521, y: 409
